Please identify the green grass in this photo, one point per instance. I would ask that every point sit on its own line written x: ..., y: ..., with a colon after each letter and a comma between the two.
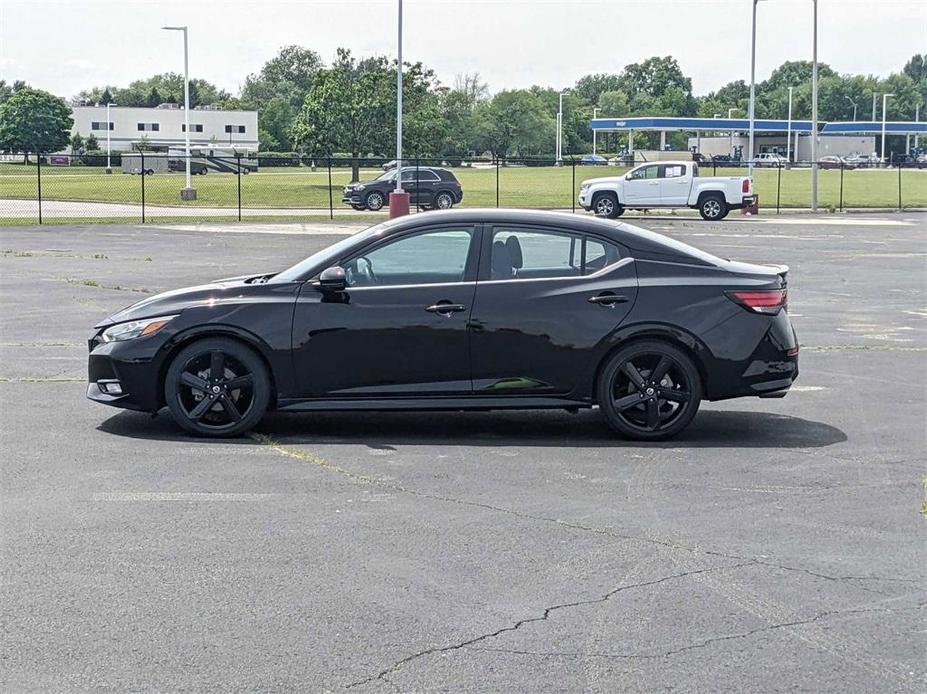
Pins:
x: 550, y: 187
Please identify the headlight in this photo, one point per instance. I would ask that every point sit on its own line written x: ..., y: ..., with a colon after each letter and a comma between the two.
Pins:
x: 359, y: 188
x: 135, y: 328
x: 584, y: 186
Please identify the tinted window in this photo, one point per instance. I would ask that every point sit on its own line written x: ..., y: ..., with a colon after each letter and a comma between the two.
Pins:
x: 428, y: 257
x: 530, y: 254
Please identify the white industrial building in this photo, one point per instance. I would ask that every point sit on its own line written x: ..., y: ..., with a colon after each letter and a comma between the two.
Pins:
x: 163, y: 126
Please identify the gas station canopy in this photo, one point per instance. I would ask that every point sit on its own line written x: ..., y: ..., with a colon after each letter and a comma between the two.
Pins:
x: 671, y: 124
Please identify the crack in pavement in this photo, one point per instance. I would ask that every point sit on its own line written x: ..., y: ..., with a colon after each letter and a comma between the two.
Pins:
x: 365, y: 479
x: 692, y: 646
x: 383, y: 674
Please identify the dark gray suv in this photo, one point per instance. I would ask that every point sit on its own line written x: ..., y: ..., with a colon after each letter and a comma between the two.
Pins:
x: 429, y: 188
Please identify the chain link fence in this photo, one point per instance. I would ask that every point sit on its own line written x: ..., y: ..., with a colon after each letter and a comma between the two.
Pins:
x: 150, y: 187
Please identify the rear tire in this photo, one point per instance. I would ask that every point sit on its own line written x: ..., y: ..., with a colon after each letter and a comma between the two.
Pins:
x: 443, y: 201
x: 649, y: 390
x: 713, y: 207
x: 217, y: 387
x: 606, y: 205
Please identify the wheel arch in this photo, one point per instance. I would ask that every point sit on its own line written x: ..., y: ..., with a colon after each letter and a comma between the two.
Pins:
x: 661, y: 332
x: 711, y: 192
x: 204, y: 332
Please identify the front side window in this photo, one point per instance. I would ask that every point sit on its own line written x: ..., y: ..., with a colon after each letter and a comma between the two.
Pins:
x: 532, y: 254
x: 430, y: 257
x: 645, y: 173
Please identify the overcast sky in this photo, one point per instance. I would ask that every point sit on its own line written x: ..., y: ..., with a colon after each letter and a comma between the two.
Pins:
x: 66, y: 46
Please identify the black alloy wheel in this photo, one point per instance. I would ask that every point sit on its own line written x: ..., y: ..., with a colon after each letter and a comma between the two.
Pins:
x: 375, y: 201
x: 217, y: 387
x: 649, y: 391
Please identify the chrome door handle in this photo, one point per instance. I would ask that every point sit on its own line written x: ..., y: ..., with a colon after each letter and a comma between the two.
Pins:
x: 445, y: 308
x: 608, y: 299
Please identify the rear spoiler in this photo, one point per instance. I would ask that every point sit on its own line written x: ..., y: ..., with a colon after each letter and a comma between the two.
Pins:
x: 782, y: 271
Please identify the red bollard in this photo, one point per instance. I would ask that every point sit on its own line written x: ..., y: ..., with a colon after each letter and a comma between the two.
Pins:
x: 398, y: 204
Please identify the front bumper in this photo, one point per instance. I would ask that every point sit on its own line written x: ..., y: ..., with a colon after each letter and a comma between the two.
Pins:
x: 134, y: 365
x: 585, y: 201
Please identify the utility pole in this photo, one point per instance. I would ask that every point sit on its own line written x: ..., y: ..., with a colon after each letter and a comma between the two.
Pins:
x: 788, y: 132
x: 595, y: 112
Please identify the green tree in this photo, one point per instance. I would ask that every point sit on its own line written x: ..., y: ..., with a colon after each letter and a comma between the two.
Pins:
x: 91, y: 144
x: 34, y: 120
x: 515, y: 123
x: 76, y: 143
x: 7, y: 90
x: 346, y: 109
x: 591, y: 87
x: 916, y: 68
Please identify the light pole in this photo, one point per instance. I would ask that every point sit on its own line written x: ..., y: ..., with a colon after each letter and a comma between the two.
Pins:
x: 560, y: 129
x: 814, y: 110
x: 854, y: 105
x: 752, y: 112
x: 595, y: 112
x: 730, y: 147
x: 884, y: 102
x: 788, y: 132
x: 109, y: 128
x: 874, y: 98
x: 399, y: 199
x: 188, y: 193
x: 917, y: 119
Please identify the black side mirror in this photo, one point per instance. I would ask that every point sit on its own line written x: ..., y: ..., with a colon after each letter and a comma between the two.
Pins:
x: 332, y: 279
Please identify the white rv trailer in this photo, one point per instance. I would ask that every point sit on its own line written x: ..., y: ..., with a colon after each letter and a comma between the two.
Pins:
x: 213, y: 158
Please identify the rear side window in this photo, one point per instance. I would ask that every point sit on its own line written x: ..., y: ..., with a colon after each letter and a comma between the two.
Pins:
x: 542, y: 254
x: 674, y: 171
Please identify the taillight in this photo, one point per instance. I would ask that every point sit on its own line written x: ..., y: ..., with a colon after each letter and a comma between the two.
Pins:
x: 769, y: 301
x: 745, y: 186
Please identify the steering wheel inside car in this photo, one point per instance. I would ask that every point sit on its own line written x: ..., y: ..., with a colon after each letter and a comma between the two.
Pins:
x: 360, y: 272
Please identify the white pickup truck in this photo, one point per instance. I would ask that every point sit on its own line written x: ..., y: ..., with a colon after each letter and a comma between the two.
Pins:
x: 667, y: 184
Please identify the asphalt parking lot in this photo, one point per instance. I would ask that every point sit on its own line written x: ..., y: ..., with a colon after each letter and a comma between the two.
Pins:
x: 777, y: 545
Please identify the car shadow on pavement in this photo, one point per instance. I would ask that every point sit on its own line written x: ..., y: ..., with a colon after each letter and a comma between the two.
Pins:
x: 710, y: 429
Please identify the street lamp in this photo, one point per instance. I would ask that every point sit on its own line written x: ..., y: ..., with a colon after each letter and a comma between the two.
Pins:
x: 560, y: 129
x: 188, y: 193
x: 788, y: 132
x: 109, y: 128
x: 884, y: 102
x: 595, y: 112
x: 854, y: 105
x: 874, y: 100
x: 752, y: 110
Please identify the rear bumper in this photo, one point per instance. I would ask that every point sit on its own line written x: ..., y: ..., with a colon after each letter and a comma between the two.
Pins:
x: 748, y: 200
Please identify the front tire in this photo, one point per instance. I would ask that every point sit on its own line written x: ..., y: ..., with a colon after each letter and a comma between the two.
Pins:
x: 606, y: 205
x: 649, y: 390
x: 374, y: 201
x: 217, y: 387
x: 713, y: 208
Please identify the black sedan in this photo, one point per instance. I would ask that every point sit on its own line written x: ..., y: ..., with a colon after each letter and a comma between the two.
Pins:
x: 429, y: 187
x: 470, y: 309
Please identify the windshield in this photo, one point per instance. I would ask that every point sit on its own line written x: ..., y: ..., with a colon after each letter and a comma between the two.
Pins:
x: 327, y: 256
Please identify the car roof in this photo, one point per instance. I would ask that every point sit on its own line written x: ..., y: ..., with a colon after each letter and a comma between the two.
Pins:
x: 639, y: 239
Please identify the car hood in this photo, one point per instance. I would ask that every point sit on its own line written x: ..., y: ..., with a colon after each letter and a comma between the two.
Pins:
x: 176, y: 300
